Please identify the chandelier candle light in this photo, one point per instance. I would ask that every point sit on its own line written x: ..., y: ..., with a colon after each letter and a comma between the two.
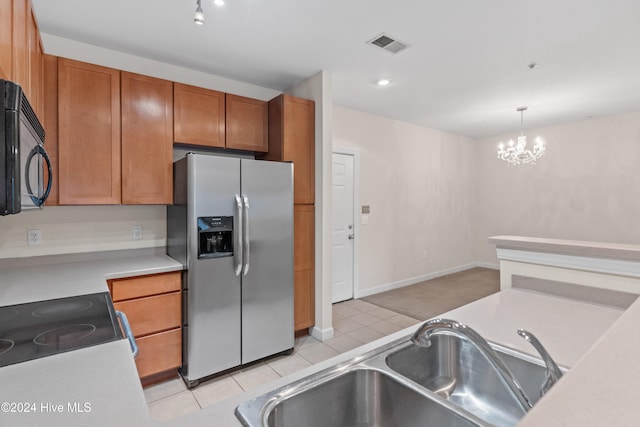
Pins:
x: 518, y: 154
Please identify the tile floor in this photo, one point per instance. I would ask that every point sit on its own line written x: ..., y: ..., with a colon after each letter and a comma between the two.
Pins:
x: 355, y: 322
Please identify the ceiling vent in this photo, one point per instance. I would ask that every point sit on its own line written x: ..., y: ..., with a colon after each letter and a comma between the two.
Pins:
x: 388, y: 43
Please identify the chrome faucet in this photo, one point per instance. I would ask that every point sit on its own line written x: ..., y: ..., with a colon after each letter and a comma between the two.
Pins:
x: 422, y: 338
x: 553, y: 371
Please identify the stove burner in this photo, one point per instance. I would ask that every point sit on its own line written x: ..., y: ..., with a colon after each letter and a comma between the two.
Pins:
x: 64, y: 334
x: 62, y: 308
x: 8, y: 313
x: 6, y: 345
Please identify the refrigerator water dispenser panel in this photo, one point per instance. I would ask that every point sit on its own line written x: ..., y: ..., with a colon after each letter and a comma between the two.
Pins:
x: 215, y: 236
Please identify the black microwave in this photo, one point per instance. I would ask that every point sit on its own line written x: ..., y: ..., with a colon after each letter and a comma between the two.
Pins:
x: 22, y: 154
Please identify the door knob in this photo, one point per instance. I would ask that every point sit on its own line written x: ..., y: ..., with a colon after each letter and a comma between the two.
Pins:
x: 352, y: 236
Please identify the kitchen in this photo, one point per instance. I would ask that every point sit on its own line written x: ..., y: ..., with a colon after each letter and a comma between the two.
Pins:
x: 464, y: 188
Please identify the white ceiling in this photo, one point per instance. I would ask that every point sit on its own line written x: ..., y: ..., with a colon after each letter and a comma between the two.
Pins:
x: 465, y: 72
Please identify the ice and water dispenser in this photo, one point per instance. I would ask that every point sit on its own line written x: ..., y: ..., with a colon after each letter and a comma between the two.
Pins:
x: 215, y: 236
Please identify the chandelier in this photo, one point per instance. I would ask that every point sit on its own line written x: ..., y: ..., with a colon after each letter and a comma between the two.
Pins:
x: 517, y: 153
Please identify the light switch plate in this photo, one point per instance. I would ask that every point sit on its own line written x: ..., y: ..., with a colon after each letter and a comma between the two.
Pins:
x: 365, y: 220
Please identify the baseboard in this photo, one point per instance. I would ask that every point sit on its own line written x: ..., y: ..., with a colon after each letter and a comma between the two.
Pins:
x: 488, y: 265
x: 413, y: 280
x: 322, y: 334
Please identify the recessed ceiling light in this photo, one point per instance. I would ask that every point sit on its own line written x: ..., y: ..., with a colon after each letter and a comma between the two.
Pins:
x: 383, y: 82
x: 218, y: 2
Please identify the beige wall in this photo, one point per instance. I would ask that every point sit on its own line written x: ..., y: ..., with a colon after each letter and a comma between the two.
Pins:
x: 74, y: 229
x: 587, y: 187
x: 419, y: 184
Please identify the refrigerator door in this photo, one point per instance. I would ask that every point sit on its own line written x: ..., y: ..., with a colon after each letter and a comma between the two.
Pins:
x: 213, y: 293
x: 267, y: 274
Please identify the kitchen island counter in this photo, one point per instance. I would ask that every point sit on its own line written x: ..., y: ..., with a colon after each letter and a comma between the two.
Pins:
x: 566, y: 327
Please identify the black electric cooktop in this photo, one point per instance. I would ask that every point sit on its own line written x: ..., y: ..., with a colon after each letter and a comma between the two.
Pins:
x: 44, y: 328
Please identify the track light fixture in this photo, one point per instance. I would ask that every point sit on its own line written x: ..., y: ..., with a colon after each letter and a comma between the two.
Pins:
x: 198, y: 18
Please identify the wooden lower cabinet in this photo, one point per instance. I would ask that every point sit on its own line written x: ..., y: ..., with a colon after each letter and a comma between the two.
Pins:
x: 303, y: 266
x: 159, y: 352
x: 153, y: 307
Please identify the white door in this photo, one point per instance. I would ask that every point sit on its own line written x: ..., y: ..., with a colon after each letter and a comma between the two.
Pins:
x: 343, y: 227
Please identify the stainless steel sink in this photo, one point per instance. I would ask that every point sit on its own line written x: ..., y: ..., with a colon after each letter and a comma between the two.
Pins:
x: 400, y: 384
x: 455, y: 370
x: 362, y: 397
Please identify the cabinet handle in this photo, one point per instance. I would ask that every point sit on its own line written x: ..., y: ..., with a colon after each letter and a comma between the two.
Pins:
x: 127, y: 331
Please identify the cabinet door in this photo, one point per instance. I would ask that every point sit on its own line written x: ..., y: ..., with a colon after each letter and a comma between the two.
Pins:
x: 303, y: 266
x: 199, y: 116
x: 34, y: 50
x: 20, y: 45
x: 299, y: 146
x: 6, y: 40
x: 50, y: 121
x: 147, y: 140
x: 159, y: 352
x: 246, y: 123
x: 88, y: 134
x: 292, y: 138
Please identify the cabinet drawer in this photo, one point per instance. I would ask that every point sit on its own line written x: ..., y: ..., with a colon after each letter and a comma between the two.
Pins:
x: 136, y: 287
x: 159, y: 352
x: 152, y: 314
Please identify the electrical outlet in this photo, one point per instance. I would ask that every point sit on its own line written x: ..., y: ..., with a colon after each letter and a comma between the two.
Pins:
x: 137, y: 232
x: 34, y: 237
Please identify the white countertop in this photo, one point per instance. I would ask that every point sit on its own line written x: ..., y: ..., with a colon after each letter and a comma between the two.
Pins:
x: 101, y: 380
x: 36, y: 283
x: 569, y: 247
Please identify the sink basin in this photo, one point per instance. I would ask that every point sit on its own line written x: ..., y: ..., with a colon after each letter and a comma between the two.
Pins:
x: 454, y: 369
x: 360, y: 397
x: 449, y: 383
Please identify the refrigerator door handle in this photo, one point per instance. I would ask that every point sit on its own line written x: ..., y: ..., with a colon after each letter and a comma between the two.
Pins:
x: 239, y: 249
x: 245, y: 233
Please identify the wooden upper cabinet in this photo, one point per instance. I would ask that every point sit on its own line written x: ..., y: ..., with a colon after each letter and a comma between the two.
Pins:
x: 21, y: 50
x: 20, y: 46
x: 35, y: 65
x: 88, y: 133
x: 292, y: 138
x: 246, y: 124
x: 199, y: 116
x: 50, y: 121
x: 6, y: 40
x: 147, y: 140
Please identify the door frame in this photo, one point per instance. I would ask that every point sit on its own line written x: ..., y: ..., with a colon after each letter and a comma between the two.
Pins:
x: 355, y: 153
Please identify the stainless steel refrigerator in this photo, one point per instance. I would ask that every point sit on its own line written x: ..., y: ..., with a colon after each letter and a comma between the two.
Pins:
x: 232, y: 226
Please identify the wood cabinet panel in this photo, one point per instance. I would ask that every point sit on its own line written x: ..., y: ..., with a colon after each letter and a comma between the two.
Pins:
x: 88, y: 133
x: 147, y: 140
x: 292, y: 138
x: 199, y: 116
x: 35, y: 64
x: 159, y: 352
x: 303, y: 266
x: 20, y: 46
x: 246, y: 124
x: 152, y: 314
x: 304, y: 300
x: 50, y: 121
x: 142, y: 286
x: 6, y: 40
